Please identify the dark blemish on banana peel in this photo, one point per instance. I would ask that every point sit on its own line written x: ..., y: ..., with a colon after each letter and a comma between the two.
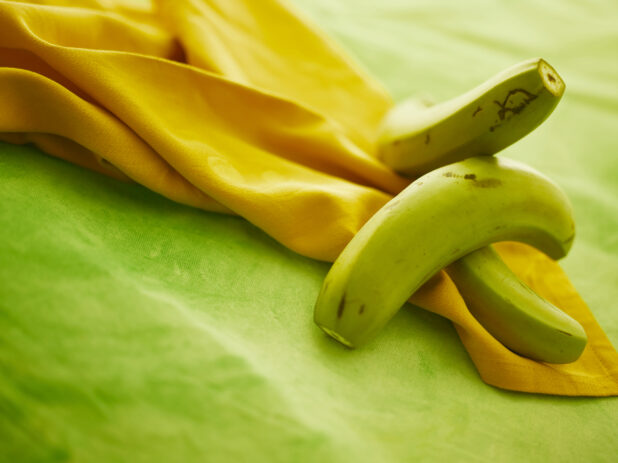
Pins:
x: 514, y: 109
x: 551, y: 78
x: 488, y: 183
x: 362, y: 309
x: 564, y: 332
x: 454, y: 175
x: 483, y: 183
x: 477, y: 110
x: 427, y: 138
x: 341, y: 307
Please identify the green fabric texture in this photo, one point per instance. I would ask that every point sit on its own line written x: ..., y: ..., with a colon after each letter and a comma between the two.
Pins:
x: 135, y: 329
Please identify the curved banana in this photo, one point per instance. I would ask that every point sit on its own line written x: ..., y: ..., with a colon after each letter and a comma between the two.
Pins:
x: 483, y: 121
x: 437, y: 219
x: 514, y: 314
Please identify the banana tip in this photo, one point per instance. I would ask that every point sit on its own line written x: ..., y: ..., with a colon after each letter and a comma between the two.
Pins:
x: 552, y: 80
x: 337, y: 336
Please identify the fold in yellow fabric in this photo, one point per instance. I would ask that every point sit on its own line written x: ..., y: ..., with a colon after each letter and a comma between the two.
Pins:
x: 244, y: 107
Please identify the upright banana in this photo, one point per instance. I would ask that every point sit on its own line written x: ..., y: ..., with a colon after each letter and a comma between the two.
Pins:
x: 437, y: 219
x: 482, y: 121
x: 513, y: 313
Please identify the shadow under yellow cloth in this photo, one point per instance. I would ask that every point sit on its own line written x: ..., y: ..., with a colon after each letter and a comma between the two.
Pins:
x: 244, y: 107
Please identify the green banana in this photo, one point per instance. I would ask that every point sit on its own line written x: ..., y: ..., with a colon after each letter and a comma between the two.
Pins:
x: 437, y: 219
x: 505, y: 306
x: 483, y: 121
x: 513, y: 313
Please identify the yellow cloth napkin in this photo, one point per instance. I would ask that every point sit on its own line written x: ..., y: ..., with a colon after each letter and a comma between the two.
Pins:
x: 244, y: 107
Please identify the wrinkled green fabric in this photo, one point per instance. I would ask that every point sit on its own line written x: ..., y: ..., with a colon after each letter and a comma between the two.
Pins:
x: 135, y: 329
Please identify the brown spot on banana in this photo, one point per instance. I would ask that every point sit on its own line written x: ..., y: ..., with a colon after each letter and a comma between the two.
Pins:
x: 341, y: 307
x: 488, y: 183
x: 514, y: 109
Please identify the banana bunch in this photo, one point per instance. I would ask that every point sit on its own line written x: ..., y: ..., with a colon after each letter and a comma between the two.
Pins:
x: 464, y: 200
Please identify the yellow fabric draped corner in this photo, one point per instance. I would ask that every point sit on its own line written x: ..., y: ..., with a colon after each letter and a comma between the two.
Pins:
x: 244, y: 107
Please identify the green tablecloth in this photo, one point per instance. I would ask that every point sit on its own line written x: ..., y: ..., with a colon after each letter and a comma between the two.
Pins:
x: 135, y: 329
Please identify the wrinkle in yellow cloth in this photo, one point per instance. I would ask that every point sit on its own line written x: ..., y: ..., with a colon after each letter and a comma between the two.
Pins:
x: 244, y: 107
